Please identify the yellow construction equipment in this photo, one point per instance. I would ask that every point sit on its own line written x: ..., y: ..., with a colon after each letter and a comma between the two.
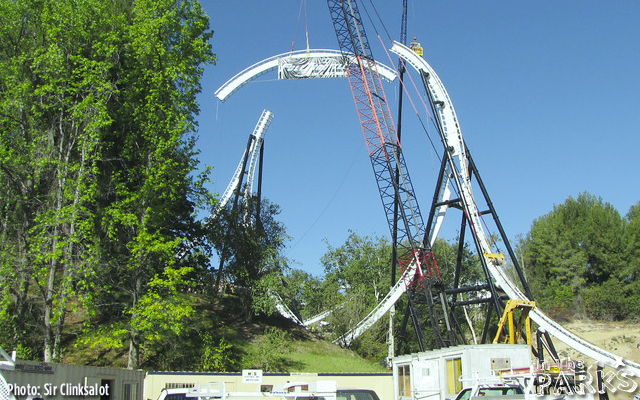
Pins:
x: 524, y: 321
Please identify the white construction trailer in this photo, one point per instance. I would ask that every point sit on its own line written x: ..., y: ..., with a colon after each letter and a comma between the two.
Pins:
x: 441, y: 374
x: 157, y: 381
x: 49, y: 381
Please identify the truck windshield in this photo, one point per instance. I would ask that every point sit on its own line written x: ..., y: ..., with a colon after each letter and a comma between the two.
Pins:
x: 356, y: 395
x: 176, y: 396
x: 500, y: 391
x: 491, y: 391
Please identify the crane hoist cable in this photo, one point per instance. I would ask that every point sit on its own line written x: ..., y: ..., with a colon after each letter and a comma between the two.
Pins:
x: 415, y: 109
x: 384, y: 27
x: 303, y: 5
x: 378, y: 128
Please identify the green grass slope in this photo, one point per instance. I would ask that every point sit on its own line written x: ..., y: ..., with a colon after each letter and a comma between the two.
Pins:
x: 220, y: 339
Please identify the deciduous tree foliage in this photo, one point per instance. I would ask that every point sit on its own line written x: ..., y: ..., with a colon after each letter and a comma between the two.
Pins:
x: 250, y: 244
x: 629, y: 275
x: 97, y: 105
x: 166, y: 42
x: 53, y: 107
x: 358, y: 276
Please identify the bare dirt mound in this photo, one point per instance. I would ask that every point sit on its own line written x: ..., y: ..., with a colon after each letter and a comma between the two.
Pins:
x: 620, y: 338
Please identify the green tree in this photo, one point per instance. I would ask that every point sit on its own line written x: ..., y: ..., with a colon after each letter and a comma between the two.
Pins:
x: 55, y: 89
x: 446, y: 256
x: 249, y: 245
x: 577, y: 245
x: 303, y: 293
x: 218, y: 358
x: 97, y: 161
x: 149, y: 188
x: 629, y: 275
x: 357, y: 277
x: 361, y: 264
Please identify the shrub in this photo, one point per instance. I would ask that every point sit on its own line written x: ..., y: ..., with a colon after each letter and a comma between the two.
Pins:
x: 607, y: 301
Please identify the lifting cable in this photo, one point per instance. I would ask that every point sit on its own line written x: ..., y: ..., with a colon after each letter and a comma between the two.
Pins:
x: 379, y: 19
x: 329, y: 203
x: 397, y: 73
x: 303, y: 4
x: 429, y: 114
x: 431, y: 117
x: 415, y: 109
x: 424, y: 128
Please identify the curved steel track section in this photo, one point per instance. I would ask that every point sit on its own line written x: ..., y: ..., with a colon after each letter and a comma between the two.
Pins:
x: 251, y: 155
x: 269, y: 64
x: 454, y: 139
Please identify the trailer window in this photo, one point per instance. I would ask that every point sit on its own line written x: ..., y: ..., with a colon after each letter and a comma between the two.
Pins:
x: 130, y: 391
x: 404, y: 381
x: 178, y: 385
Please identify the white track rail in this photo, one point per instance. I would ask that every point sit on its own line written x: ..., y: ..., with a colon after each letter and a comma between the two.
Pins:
x: 382, y: 308
x: 258, y: 134
x: 253, y: 150
x: 454, y: 139
x: 284, y: 310
x: 269, y: 64
x: 316, y: 318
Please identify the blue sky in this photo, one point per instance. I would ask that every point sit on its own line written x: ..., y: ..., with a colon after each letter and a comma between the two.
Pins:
x: 546, y: 94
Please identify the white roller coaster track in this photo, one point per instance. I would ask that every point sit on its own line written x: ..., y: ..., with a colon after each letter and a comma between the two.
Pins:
x: 316, y: 318
x: 453, y: 138
x: 337, y: 58
x: 269, y: 64
x: 382, y: 308
x: 253, y: 150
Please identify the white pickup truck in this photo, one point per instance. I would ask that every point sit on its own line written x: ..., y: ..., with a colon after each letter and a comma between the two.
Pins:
x: 318, y: 390
x: 502, y: 391
x: 514, y: 391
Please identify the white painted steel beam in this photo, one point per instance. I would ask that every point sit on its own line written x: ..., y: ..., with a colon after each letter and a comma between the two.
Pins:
x: 269, y: 64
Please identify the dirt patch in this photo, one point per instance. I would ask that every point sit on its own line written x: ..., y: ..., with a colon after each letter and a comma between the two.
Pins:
x: 619, y: 338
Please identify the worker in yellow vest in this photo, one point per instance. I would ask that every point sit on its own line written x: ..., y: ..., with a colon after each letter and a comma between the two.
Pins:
x: 416, y: 47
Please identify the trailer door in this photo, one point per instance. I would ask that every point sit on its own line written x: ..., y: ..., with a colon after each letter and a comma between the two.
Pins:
x: 454, y: 372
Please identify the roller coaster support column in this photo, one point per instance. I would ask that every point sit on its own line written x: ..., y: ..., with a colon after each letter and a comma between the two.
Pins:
x: 394, y: 233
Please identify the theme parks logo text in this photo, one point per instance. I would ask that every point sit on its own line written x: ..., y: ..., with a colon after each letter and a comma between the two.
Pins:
x: 574, y: 377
